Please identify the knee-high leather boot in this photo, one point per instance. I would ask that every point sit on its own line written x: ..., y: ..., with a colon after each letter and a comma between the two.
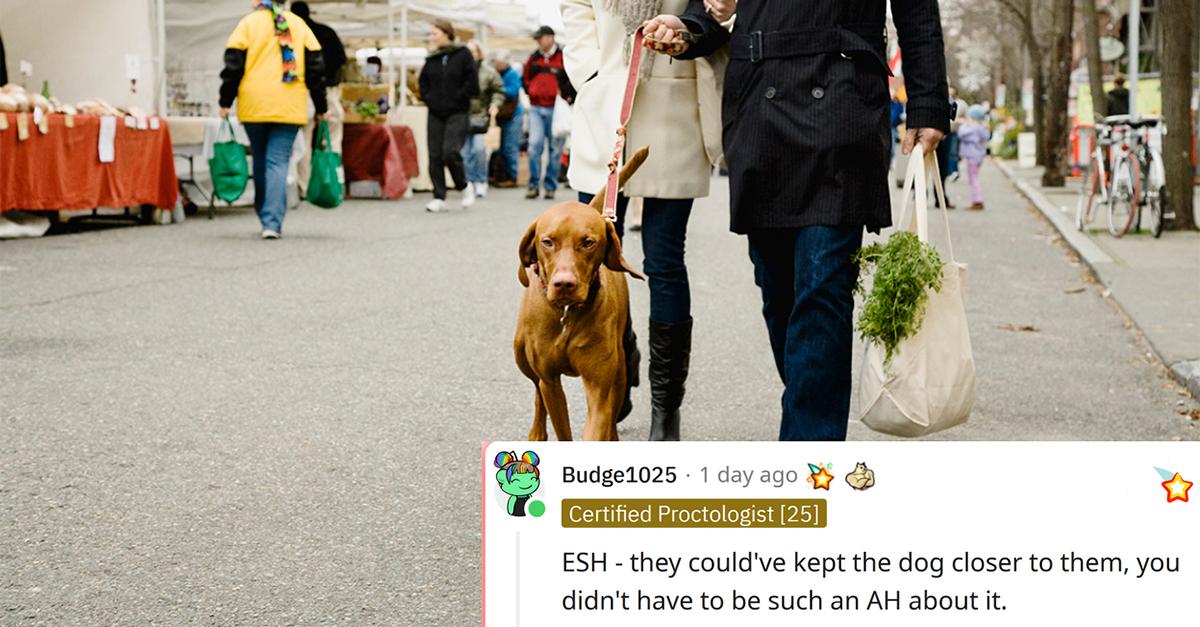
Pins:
x: 633, y: 364
x: 670, y: 354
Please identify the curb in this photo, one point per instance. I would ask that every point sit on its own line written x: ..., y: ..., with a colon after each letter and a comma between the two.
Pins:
x: 1186, y: 373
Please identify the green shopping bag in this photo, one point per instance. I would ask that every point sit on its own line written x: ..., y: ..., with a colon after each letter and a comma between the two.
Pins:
x: 228, y: 167
x: 324, y: 188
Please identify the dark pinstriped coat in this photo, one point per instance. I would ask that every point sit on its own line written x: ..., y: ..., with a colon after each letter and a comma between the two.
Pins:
x: 806, y: 105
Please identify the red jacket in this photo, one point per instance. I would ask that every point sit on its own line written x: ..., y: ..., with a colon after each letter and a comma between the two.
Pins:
x: 545, y: 78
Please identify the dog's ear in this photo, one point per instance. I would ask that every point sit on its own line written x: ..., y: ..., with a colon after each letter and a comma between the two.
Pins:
x: 613, y: 259
x: 527, y: 253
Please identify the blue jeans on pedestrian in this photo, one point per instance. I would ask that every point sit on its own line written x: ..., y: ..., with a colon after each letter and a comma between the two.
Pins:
x: 474, y: 154
x: 510, y: 144
x: 664, y: 232
x: 541, y: 125
x: 951, y: 142
x: 807, y: 277
x: 271, y: 148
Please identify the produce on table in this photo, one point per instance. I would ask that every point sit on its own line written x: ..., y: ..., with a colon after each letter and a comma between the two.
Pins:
x: 905, y: 270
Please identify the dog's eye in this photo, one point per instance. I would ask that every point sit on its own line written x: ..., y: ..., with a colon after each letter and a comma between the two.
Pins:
x: 548, y: 243
x: 588, y: 244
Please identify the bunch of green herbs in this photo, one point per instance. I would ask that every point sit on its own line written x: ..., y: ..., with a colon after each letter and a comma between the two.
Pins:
x: 905, y: 269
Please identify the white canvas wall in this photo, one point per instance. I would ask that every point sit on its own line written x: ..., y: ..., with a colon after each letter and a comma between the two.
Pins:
x: 80, y: 47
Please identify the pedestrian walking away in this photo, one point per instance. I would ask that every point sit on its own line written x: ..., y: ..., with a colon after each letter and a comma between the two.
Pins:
x: 271, y: 60
x: 448, y: 82
x: 676, y: 115
x: 484, y: 107
x: 545, y: 79
x: 973, y: 139
x: 333, y: 58
x: 806, y: 117
x: 511, y: 119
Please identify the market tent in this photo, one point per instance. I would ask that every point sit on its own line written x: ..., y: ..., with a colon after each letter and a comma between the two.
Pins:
x: 81, y: 48
x: 196, y: 31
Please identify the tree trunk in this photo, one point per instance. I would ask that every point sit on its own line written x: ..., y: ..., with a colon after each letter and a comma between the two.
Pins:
x: 1177, y: 34
x: 1095, y: 63
x: 1056, y: 127
x: 1039, y: 78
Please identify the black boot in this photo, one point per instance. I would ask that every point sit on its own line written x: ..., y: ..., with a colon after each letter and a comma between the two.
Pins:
x: 670, y: 353
x: 633, y: 364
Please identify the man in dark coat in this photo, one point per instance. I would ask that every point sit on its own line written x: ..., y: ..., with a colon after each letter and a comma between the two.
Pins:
x: 1118, y: 97
x: 806, y: 134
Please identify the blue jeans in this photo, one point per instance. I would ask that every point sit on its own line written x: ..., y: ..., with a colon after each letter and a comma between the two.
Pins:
x: 952, y: 143
x: 541, y: 124
x: 271, y: 147
x: 664, y: 232
x: 807, y: 278
x: 510, y: 144
x: 474, y: 155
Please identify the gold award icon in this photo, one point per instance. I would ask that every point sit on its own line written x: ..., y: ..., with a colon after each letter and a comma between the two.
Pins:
x: 862, y: 478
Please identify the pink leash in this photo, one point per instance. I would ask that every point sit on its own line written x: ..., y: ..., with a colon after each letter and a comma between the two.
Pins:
x: 614, y: 166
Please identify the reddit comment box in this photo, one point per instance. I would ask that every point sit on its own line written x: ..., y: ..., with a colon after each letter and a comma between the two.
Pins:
x: 895, y: 533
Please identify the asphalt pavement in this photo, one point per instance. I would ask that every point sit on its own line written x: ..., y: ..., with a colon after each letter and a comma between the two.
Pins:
x: 199, y: 427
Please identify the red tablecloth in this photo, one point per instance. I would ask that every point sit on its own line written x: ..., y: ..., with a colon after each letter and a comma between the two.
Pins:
x: 377, y: 152
x: 62, y: 169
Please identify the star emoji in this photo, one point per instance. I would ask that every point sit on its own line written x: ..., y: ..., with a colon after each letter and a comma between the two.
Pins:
x: 1177, y: 489
x: 821, y: 480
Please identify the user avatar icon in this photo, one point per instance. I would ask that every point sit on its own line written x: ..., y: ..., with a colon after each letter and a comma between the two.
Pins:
x: 862, y: 478
x: 519, y: 479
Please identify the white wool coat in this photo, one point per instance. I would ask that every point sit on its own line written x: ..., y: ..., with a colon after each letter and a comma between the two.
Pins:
x: 677, y: 111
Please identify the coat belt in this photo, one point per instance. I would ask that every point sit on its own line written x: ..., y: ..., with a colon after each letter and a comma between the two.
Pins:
x: 841, y: 38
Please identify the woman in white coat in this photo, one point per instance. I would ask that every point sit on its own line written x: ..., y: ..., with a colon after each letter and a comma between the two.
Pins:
x: 677, y: 113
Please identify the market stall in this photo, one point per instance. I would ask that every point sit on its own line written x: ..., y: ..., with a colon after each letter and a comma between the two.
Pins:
x: 383, y: 153
x: 62, y: 168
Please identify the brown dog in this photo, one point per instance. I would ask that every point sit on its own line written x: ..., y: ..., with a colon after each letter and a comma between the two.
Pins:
x: 574, y: 313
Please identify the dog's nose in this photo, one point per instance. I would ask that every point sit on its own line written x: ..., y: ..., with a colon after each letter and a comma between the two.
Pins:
x: 563, y: 282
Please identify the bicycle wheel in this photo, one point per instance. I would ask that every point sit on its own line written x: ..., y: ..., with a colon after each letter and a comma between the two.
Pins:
x: 1155, y: 206
x: 1123, y: 198
x: 1087, y: 197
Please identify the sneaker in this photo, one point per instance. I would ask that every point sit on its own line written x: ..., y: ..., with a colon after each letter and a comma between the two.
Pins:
x: 481, y: 190
x: 953, y: 178
x: 549, y: 195
x: 436, y: 205
x: 468, y: 196
x: 532, y: 194
x: 270, y: 234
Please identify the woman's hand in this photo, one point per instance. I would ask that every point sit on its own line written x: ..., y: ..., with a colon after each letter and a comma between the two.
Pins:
x: 224, y: 112
x: 663, y: 34
x: 721, y: 10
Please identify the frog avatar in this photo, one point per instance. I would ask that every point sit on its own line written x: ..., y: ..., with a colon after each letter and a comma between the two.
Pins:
x: 519, y: 479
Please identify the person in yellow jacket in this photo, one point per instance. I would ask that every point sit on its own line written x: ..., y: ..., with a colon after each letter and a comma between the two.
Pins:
x: 272, y: 62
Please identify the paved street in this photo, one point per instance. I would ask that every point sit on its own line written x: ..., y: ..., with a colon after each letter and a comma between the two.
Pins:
x: 200, y: 427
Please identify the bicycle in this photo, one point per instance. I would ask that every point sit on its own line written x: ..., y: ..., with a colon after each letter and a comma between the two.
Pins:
x: 1138, y: 178
x: 1097, y: 180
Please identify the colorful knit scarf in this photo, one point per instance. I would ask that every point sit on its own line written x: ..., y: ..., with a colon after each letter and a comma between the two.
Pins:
x: 285, y: 37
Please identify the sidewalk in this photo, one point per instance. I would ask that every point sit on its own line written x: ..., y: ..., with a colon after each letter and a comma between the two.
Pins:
x: 1156, y: 282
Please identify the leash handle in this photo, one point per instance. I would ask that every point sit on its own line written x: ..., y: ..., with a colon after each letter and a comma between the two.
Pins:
x: 614, y: 165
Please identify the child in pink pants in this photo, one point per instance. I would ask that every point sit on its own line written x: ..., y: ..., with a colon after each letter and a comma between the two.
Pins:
x: 973, y: 137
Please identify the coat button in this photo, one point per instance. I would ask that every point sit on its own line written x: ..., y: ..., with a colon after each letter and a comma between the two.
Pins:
x: 770, y: 93
x: 818, y: 93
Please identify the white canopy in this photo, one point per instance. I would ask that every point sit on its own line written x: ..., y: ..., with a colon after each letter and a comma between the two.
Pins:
x: 196, y: 30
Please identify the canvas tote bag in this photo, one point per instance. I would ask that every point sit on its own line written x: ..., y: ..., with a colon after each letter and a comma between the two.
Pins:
x: 929, y: 385
x: 324, y: 188
x: 228, y: 167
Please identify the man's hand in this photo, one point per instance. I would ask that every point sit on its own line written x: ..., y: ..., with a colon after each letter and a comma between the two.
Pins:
x: 663, y: 34
x: 224, y: 112
x: 929, y: 138
x: 721, y: 10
